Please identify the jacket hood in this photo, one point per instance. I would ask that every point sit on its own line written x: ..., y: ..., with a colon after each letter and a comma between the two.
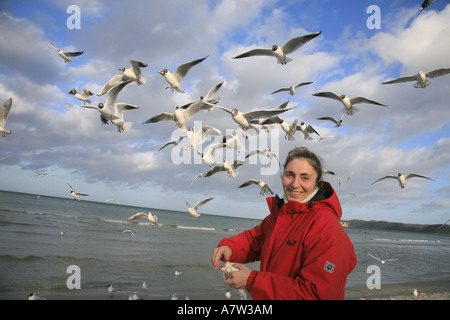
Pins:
x: 325, y: 197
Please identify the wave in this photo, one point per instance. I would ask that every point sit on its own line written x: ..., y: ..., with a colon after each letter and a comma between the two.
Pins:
x: 112, y: 221
x: 196, y: 228
x: 407, y: 240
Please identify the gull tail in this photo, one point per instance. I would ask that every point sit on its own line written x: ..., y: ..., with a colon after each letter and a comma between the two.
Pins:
x: 126, y: 126
x: 417, y: 85
x: 142, y: 80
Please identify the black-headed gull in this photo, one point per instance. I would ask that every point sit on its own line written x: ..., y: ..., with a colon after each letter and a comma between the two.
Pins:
x: 180, y: 116
x: 267, y: 152
x: 134, y: 72
x: 198, y: 137
x: 291, y: 89
x: 346, y: 101
x: 420, y: 77
x: 174, y: 142
x: 112, y: 290
x: 4, y: 111
x: 229, y: 167
x: 209, y: 98
x: 145, y: 286
x: 193, y: 209
x: 425, y: 4
x: 208, y: 156
x: 245, y: 120
x: 114, y: 81
x: 33, y: 296
x: 306, y: 130
x: 65, y: 54
x: 174, y: 79
x: 383, y: 261
x: 402, y: 178
x: 264, y: 186
x: 83, y: 96
x: 337, y: 123
x: 152, y: 218
x: 75, y: 194
x: 42, y: 173
x: 280, y: 52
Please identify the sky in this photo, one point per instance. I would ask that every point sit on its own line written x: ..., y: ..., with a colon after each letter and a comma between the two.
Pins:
x: 359, y: 48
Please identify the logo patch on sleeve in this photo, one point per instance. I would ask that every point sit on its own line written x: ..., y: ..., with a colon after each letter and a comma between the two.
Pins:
x: 329, y: 267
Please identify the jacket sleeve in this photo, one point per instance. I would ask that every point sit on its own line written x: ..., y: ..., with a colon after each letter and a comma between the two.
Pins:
x: 322, y: 273
x: 246, y: 246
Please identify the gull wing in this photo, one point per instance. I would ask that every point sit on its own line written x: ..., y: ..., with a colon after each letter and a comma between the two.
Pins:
x: 328, y: 94
x: 120, y: 107
x: 212, y: 91
x: 87, y: 92
x: 163, y: 116
x: 4, y: 111
x: 220, y: 107
x: 111, y: 96
x: 183, y: 69
x: 401, y: 79
x: 137, y: 65
x: 255, y: 52
x: 297, y: 42
x: 265, y: 114
x: 438, y: 72
x: 329, y: 118
x: 249, y: 182
x: 137, y: 216
x: 114, y: 81
x: 280, y: 90
x: 200, y: 203
x: 82, y: 105
x: 365, y: 100
x: 301, y: 84
x: 74, y: 54
x: 385, y: 177
x: 412, y: 175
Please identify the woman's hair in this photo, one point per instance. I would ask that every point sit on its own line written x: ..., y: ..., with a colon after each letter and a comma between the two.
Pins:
x: 313, y: 159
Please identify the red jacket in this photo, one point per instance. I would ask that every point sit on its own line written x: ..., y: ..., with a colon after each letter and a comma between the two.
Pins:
x: 304, y: 251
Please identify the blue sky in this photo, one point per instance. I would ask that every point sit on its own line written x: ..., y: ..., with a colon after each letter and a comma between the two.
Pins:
x: 410, y: 135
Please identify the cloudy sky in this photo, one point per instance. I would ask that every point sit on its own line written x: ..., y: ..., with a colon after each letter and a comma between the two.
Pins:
x: 410, y: 135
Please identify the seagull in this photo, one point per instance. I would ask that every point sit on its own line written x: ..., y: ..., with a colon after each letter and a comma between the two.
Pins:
x: 174, y: 142
x: 193, y: 210
x: 209, y: 98
x: 381, y: 260
x: 114, y: 81
x: 180, y: 116
x: 267, y: 152
x: 208, y: 156
x: 415, y: 293
x: 83, y: 96
x: 306, y: 130
x: 33, y: 296
x: 347, y: 102
x: 134, y: 73
x: 152, y: 218
x: 402, y: 178
x: 128, y: 230
x: 280, y: 52
x: 229, y: 167
x: 178, y: 273
x: 65, y: 55
x: 244, y: 119
x: 289, y: 128
x: 112, y: 290
x: 112, y: 111
x: 174, y: 79
x: 324, y: 137
x: 43, y: 173
x: 231, y: 141
x: 134, y: 296
x: 199, y: 136
x: 291, y: 89
x: 425, y: 4
x: 421, y: 77
x: 337, y: 123
x: 228, y: 294
x: 75, y: 194
x: 265, y: 188
x: 145, y: 286
x: 4, y: 111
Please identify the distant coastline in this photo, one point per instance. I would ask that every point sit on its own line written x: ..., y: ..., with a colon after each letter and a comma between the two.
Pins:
x: 373, y: 224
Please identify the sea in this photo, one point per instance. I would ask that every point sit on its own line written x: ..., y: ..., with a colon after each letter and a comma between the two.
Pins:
x: 60, y: 248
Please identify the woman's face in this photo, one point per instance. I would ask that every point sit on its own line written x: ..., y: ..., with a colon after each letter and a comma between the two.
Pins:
x: 299, y: 179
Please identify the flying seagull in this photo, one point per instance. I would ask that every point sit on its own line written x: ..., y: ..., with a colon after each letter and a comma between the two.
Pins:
x: 229, y: 167
x: 152, y: 218
x: 65, y: 55
x: 4, y: 111
x: 83, y: 96
x: 193, y: 209
x: 174, y: 79
x: 265, y: 188
x: 180, y: 116
x: 346, y: 101
x: 174, y: 142
x: 134, y: 72
x: 75, y: 194
x: 291, y: 89
x: 306, y: 130
x: 280, y: 52
x: 383, y: 261
x: 337, y: 123
x: 402, y: 178
x: 267, y: 152
x: 420, y: 77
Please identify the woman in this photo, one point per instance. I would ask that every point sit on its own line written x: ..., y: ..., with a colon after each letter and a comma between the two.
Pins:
x: 304, y: 251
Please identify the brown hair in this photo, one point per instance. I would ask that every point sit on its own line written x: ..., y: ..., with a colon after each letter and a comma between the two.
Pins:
x: 313, y: 159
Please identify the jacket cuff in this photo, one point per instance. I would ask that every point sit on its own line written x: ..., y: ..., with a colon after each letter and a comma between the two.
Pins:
x: 251, y: 279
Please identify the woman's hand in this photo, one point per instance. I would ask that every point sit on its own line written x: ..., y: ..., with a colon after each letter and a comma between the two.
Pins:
x: 220, y: 253
x: 238, y: 279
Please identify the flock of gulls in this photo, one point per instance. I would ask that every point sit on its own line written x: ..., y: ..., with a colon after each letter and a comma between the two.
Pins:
x: 113, y: 112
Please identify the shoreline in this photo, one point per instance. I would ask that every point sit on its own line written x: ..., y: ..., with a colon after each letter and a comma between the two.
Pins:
x: 428, y: 290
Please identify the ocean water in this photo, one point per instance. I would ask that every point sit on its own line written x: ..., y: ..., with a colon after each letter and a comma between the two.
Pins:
x: 41, y: 238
